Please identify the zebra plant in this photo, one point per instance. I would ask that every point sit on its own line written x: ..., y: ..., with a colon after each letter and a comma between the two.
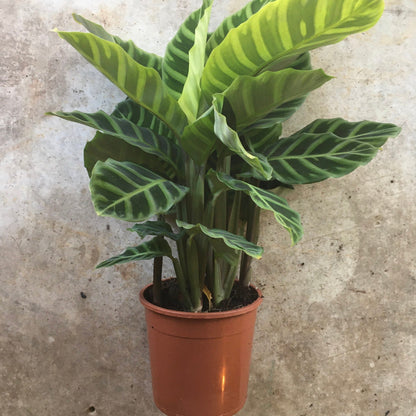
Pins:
x: 195, y: 150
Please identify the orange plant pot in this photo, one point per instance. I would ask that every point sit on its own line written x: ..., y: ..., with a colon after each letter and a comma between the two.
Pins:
x: 200, y: 361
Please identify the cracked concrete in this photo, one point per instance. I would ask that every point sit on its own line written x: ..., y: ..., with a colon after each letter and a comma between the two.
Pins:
x: 336, y: 331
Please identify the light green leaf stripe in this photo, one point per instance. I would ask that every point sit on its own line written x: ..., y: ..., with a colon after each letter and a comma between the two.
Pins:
x: 191, y: 94
x: 327, y: 148
x: 233, y: 21
x: 284, y: 215
x: 104, y: 146
x: 230, y: 139
x: 139, y: 55
x: 281, y: 29
x: 158, y: 247
x: 141, y: 137
x: 142, y: 117
x: 130, y: 192
x: 253, y: 98
x: 233, y: 241
x: 143, y: 85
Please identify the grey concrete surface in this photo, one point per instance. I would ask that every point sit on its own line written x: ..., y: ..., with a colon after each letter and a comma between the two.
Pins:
x: 336, y: 331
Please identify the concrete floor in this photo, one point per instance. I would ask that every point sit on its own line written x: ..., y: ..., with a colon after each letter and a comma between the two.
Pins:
x: 336, y: 331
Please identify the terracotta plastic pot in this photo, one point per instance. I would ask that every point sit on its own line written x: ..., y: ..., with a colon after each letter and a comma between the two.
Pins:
x: 200, y: 361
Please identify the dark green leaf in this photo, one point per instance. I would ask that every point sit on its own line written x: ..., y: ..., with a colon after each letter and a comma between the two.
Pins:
x: 130, y: 192
x: 158, y: 228
x: 158, y: 247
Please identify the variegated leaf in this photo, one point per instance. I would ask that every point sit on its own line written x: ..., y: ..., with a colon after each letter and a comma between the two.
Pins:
x: 370, y: 132
x: 284, y: 215
x: 233, y: 241
x: 104, y: 146
x: 258, y: 138
x: 128, y: 109
x: 191, y: 94
x: 282, y: 29
x: 233, y: 21
x: 139, y: 55
x: 158, y: 247
x: 252, y: 98
x: 231, y: 140
x: 176, y: 63
x: 134, y: 135
x: 198, y: 139
x: 142, y: 84
x: 130, y: 192
x: 311, y: 156
x: 157, y: 228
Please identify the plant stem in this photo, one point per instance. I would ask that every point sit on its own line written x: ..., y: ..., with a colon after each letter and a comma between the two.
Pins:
x: 252, y: 235
x: 157, y: 275
x: 157, y: 280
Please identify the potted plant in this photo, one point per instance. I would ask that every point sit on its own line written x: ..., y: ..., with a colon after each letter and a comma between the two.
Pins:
x: 197, y: 143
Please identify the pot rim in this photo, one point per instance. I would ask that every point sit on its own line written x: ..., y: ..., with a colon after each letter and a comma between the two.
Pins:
x: 200, y: 315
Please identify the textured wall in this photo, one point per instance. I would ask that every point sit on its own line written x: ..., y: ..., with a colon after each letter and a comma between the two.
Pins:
x: 336, y: 331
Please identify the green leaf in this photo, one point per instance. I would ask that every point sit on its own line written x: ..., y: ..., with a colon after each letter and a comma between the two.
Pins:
x: 158, y: 228
x: 252, y: 98
x: 369, y: 132
x: 130, y: 192
x: 231, y: 140
x: 198, y: 139
x: 258, y: 138
x: 142, y: 84
x: 312, y: 155
x: 191, y: 94
x: 236, y: 242
x: 182, y: 56
x: 104, y: 146
x: 134, y: 135
x: 284, y: 215
x: 139, y: 55
x: 129, y: 110
x: 282, y: 29
x: 158, y: 247
x: 233, y: 21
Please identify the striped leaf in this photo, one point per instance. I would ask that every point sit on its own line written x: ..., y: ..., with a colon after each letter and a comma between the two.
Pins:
x: 233, y: 241
x: 129, y: 110
x: 142, y: 84
x: 157, y: 228
x: 139, y: 55
x: 191, y: 94
x: 284, y: 215
x: 198, y: 139
x: 185, y: 53
x: 231, y: 140
x: 313, y: 155
x: 369, y: 132
x: 103, y: 147
x: 282, y: 29
x: 130, y: 192
x: 134, y: 135
x: 258, y: 139
x: 252, y: 98
x: 157, y: 247
x: 233, y: 21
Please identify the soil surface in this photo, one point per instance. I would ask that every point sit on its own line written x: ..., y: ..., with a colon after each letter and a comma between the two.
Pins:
x: 171, y: 297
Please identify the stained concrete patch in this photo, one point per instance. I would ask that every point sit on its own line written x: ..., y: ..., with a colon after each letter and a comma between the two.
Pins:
x: 336, y: 331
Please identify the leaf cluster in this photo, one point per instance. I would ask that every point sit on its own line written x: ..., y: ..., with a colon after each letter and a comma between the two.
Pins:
x: 198, y: 138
